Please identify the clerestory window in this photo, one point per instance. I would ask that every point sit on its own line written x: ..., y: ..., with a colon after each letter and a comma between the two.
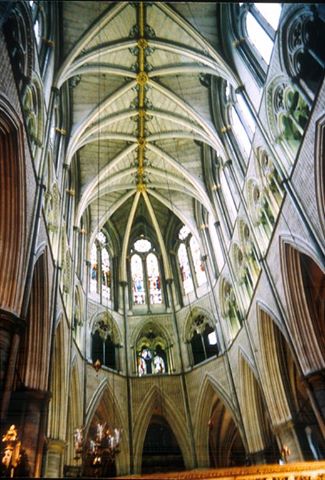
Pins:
x: 145, y: 274
x: 100, y: 269
x: 257, y: 29
x: 191, y: 267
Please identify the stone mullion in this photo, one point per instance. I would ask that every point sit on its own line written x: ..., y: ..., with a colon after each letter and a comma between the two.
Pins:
x: 191, y: 265
x: 145, y: 281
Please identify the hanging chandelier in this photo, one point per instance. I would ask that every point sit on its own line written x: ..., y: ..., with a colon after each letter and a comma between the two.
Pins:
x: 100, y: 451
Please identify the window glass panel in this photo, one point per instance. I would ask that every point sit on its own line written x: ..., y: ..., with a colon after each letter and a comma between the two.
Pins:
x: 106, y: 274
x: 212, y: 338
x: 185, y: 269
x: 101, y: 237
x: 158, y: 365
x: 37, y: 31
x: 142, y: 245
x: 198, y: 265
x: 145, y: 362
x: 93, y: 269
x: 183, y: 233
x: 271, y: 12
x: 230, y: 204
x: 142, y: 366
x: 153, y: 279
x: 139, y: 296
x: 240, y: 134
x: 259, y: 37
x: 246, y: 113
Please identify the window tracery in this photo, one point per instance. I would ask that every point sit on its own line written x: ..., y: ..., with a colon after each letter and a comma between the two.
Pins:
x: 229, y: 309
x: 270, y: 179
x: 202, y: 338
x: 260, y: 211
x: 151, y: 353
x: 288, y: 114
x: 19, y: 35
x: 304, y: 58
x: 104, y: 342
x: 242, y: 272
x: 145, y: 274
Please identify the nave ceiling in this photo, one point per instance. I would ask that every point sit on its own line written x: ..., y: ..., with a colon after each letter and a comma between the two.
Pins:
x: 141, y: 114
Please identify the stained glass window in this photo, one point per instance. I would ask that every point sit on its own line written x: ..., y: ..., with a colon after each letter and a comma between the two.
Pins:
x: 145, y: 272
x: 185, y: 269
x: 142, y: 245
x: 93, y: 269
x: 100, y: 275
x: 151, y: 360
x: 183, y: 233
x: 158, y: 364
x: 139, y: 294
x: 154, y: 284
x: 198, y: 264
x: 106, y: 274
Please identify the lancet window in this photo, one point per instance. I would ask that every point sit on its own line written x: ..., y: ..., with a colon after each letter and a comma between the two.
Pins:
x: 191, y: 266
x: 256, y: 34
x: 261, y: 22
x: 104, y: 347
x: 100, y: 268
x: 145, y: 274
x: 202, y: 339
x: 151, y: 354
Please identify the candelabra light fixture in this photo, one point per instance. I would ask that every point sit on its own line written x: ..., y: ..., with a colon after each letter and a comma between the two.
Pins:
x: 100, y: 451
x: 13, y: 459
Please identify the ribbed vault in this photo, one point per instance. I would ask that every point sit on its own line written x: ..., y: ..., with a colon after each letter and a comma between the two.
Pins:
x: 141, y: 112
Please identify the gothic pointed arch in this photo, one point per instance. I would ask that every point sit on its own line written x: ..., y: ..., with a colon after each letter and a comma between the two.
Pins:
x: 320, y: 169
x: 105, y: 408
x: 304, y: 282
x: 156, y: 402
x: 212, y: 396
x: 35, y: 357
x: 58, y: 404
x: 12, y: 208
x: 255, y: 417
x: 271, y: 368
x: 295, y: 419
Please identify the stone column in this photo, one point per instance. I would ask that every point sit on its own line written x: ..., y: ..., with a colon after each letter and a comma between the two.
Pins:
x: 11, y: 330
x: 316, y: 382
x: 287, y: 436
x: 54, y: 458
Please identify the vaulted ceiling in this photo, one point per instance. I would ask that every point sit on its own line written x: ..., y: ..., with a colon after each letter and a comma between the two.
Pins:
x: 140, y: 110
